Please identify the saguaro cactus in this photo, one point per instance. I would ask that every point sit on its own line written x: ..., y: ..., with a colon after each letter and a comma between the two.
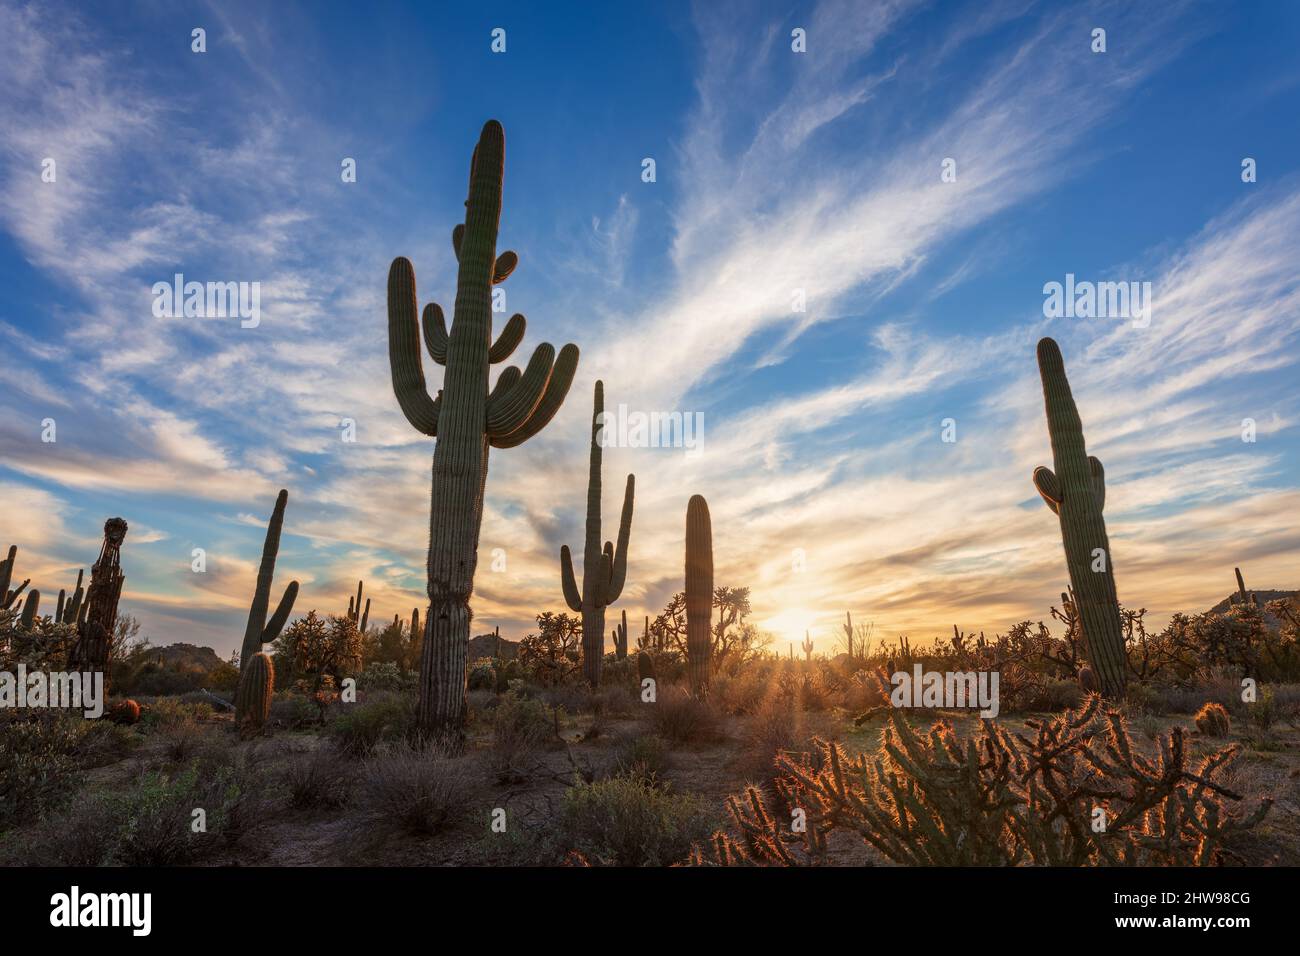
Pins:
x: 30, y: 609
x: 7, y: 596
x: 620, y: 638
x: 699, y: 593
x: 355, y: 614
x: 1076, y: 493
x: 259, y: 631
x: 603, y: 571
x: 807, y: 647
x: 253, y: 698
x: 94, y: 643
x: 466, y: 419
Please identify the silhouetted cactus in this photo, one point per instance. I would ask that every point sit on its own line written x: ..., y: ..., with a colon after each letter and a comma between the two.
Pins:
x: 699, y: 593
x: 466, y: 419
x: 603, y: 571
x: 359, y: 617
x: 1243, y: 596
x: 30, y: 608
x: 620, y: 638
x: 69, y: 611
x: 807, y: 647
x: 1076, y: 493
x: 94, y: 643
x: 253, y: 698
x: 8, y: 596
x: 259, y: 631
x: 645, y: 666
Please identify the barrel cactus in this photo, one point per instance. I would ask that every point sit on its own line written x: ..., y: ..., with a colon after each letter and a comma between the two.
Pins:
x: 1076, y: 493
x: 259, y: 631
x: 466, y: 419
x: 603, y: 571
x: 699, y: 593
x: 253, y: 698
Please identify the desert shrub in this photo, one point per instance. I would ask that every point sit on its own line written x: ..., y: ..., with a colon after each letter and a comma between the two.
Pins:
x: 1213, y: 720
x: 742, y: 693
x: 294, y: 711
x: 164, y: 711
x: 644, y: 758
x: 408, y: 791
x: 1263, y: 713
x: 482, y: 676
x: 622, y: 822
x: 1054, y: 694
x: 318, y: 778
x: 385, y: 675
x: 614, y: 700
x: 681, y: 718
x: 182, y: 742
x: 38, y: 764
x: 521, y: 728
x: 776, y: 728
x: 384, y: 718
x: 102, y: 743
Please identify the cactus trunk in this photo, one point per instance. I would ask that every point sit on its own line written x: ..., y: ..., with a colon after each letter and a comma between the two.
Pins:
x: 466, y: 420
x: 253, y: 697
x: 1076, y: 492
x: 94, y: 644
x: 699, y: 593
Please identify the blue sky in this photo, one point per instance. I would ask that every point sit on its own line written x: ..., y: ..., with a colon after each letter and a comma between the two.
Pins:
x: 776, y: 171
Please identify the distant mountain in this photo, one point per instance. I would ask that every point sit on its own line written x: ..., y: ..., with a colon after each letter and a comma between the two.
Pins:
x: 489, y: 645
x: 1263, y: 596
x: 183, y: 657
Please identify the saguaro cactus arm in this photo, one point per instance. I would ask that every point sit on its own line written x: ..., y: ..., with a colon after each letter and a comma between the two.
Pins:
x: 509, y: 339
x: 435, y: 332
x: 1098, y: 481
x: 404, y: 350
x: 572, y: 596
x: 1048, y: 487
x: 618, y: 571
x: 556, y: 388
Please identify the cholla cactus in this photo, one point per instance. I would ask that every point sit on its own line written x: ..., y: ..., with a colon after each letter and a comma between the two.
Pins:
x: 259, y: 631
x: 1004, y: 799
x: 699, y: 593
x: 603, y: 571
x: 466, y: 419
x: 620, y: 638
x: 1076, y: 493
x: 253, y: 698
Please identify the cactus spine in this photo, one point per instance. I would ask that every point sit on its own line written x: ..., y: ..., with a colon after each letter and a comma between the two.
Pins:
x: 466, y: 419
x: 603, y: 571
x: 94, y: 643
x: 620, y: 638
x: 1076, y: 493
x: 699, y: 593
x: 259, y: 631
x: 253, y: 698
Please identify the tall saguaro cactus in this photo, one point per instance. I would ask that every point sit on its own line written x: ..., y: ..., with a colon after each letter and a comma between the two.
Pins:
x: 699, y: 593
x: 259, y: 631
x: 94, y: 644
x: 1076, y: 493
x: 603, y: 571
x: 466, y: 419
